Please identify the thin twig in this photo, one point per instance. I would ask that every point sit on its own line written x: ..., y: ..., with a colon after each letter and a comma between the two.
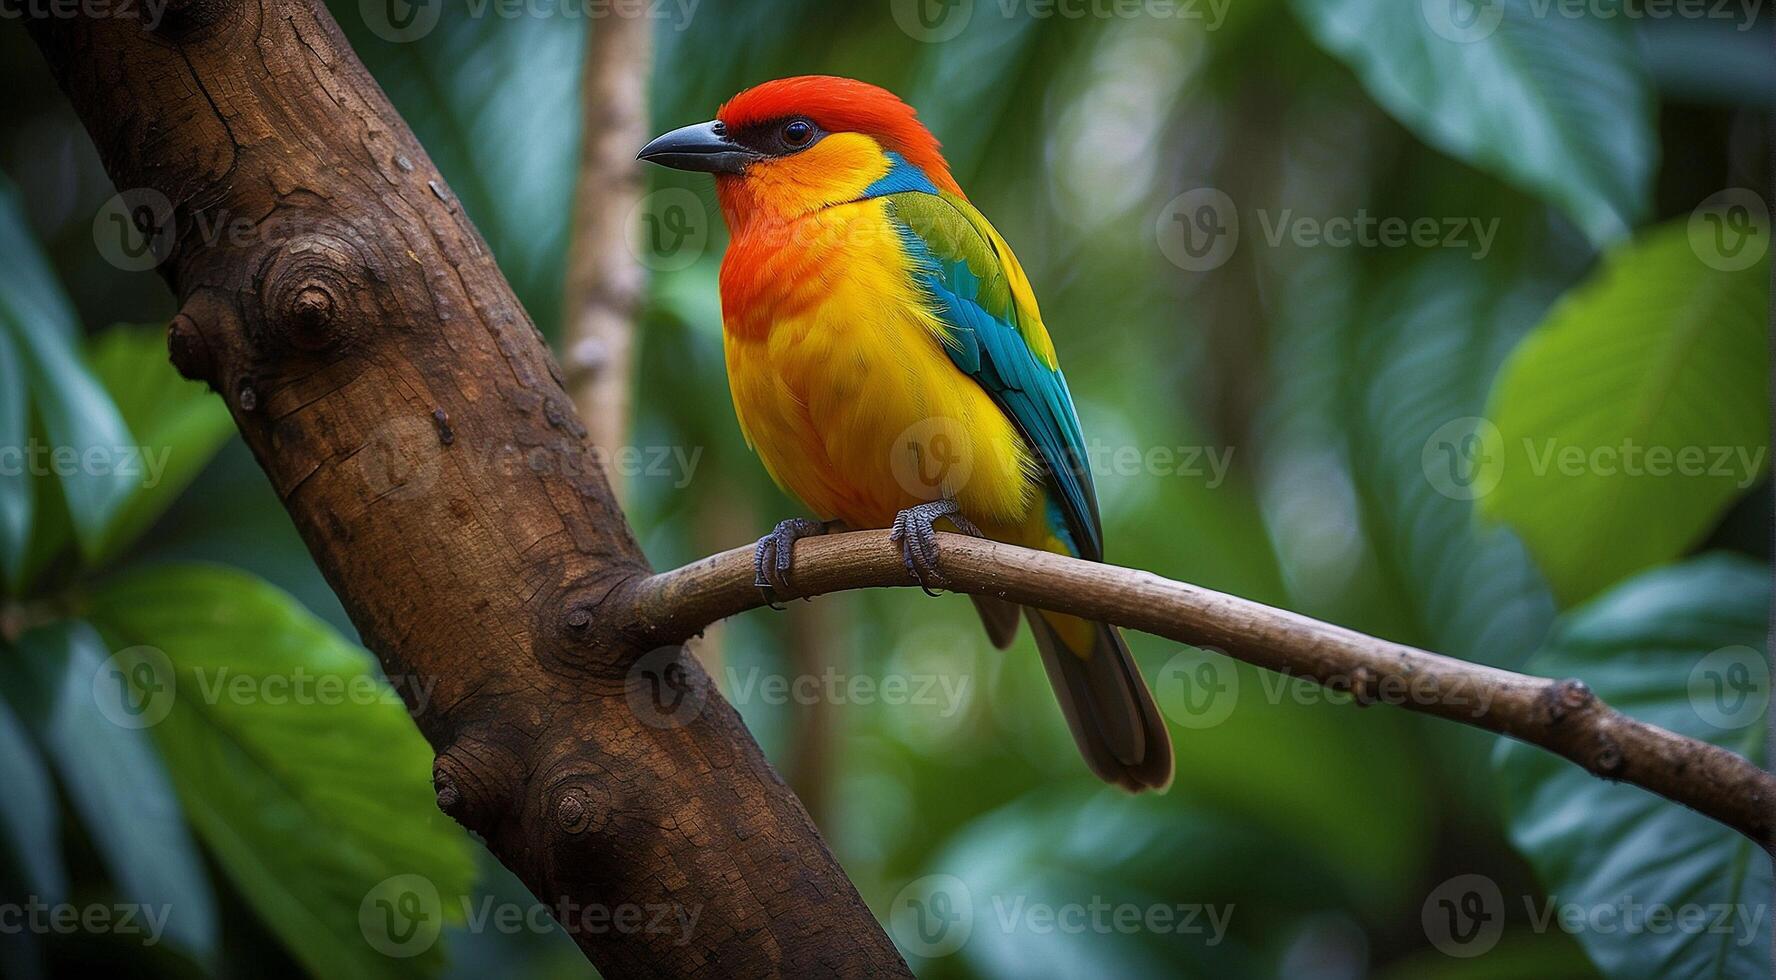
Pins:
x: 1562, y: 716
x: 606, y: 279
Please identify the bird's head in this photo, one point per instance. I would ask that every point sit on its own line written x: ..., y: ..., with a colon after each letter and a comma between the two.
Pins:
x: 788, y: 147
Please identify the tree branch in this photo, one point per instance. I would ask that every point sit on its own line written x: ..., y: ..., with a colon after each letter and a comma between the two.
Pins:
x: 410, y: 418
x: 1561, y: 716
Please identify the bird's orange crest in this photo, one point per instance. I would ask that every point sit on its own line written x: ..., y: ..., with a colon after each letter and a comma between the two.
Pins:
x: 844, y: 105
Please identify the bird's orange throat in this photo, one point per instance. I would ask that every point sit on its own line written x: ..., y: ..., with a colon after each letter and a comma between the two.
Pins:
x: 782, y: 269
x: 792, y: 223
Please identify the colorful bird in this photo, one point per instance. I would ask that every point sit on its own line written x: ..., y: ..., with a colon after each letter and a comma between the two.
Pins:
x: 889, y: 366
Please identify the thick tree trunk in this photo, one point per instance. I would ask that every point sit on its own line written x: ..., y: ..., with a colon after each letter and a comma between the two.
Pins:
x: 411, y: 419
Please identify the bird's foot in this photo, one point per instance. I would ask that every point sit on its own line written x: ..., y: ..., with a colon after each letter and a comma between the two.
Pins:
x: 916, y: 532
x: 772, y: 558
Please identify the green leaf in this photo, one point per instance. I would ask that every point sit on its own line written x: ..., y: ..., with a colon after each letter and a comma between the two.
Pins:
x: 87, y: 437
x: 1555, y: 103
x: 1663, y: 649
x: 30, y: 285
x: 1418, y: 358
x: 1634, y: 415
x: 1035, y: 888
x: 65, y: 687
x: 300, y: 769
x: 31, y: 818
x: 16, y: 490
x: 178, y: 424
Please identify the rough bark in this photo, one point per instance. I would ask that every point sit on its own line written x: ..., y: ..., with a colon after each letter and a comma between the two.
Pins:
x: 1562, y: 716
x: 411, y: 419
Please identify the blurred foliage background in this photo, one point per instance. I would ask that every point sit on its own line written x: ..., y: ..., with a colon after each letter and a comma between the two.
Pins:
x: 1382, y: 409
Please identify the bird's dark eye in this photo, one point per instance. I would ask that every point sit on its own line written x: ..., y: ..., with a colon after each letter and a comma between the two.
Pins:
x: 797, y: 132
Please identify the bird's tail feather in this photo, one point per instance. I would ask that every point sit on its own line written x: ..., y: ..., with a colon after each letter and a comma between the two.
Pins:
x: 1107, y: 705
x: 999, y: 617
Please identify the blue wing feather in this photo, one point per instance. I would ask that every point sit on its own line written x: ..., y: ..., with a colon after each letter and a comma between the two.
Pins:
x: 985, y: 341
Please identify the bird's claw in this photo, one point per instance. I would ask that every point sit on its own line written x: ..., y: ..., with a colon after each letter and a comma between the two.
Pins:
x: 916, y: 532
x: 772, y: 559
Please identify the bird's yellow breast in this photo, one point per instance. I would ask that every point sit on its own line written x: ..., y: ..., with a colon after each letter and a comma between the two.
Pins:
x: 842, y: 385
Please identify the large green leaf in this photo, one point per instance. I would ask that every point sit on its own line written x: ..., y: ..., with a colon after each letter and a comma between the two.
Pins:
x: 67, y: 690
x: 1067, y: 885
x: 31, y: 820
x: 87, y: 440
x: 299, y: 767
x: 30, y: 285
x: 178, y: 424
x: 16, y: 491
x: 1681, y: 648
x: 1417, y: 360
x: 1633, y: 415
x: 1553, y: 101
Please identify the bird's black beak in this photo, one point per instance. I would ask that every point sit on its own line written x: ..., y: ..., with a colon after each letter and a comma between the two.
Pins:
x: 703, y: 147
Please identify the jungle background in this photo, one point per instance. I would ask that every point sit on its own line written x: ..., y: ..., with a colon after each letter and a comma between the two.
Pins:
x: 1368, y: 427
